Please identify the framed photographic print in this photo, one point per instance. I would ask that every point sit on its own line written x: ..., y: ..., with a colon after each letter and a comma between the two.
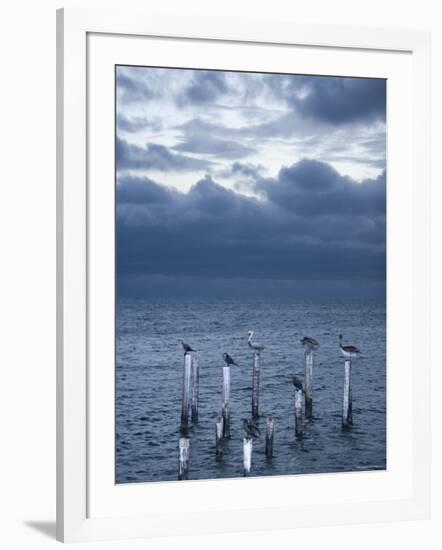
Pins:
x: 243, y: 303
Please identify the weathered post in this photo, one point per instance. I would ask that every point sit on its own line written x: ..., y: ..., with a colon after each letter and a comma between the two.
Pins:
x: 255, y: 384
x: 187, y: 378
x: 247, y: 455
x: 219, y: 436
x: 195, y: 388
x: 269, y: 436
x: 350, y: 407
x: 183, y: 472
x: 299, y: 412
x: 308, y: 378
x: 347, y: 416
x: 226, y: 401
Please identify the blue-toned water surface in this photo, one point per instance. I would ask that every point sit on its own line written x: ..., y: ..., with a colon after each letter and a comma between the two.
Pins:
x: 149, y: 387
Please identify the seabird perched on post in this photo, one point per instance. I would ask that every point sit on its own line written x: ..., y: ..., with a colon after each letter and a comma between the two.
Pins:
x: 229, y: 360
x: 350, y: 352
x: 309, y: 343
x: 250, y: 428
x: 185, y: 346
x: 297, y: 383
x: 254, y: 345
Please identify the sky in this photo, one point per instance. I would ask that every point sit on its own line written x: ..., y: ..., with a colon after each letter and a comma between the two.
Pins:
x: 244, y: 185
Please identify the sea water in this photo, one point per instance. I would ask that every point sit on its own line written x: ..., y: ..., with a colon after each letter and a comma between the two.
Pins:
x: 149, y: 378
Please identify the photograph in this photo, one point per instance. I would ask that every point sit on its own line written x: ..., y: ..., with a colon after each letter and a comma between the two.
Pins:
x: 250, y: 274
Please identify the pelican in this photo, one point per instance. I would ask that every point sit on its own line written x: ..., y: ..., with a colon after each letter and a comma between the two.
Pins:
x: 297, y: 383
x: 250, y: 428
x: 309, y: 344
x: 229, y: 360
x: 253, y: 345
x: 348, y: 351
x: 185, y: 346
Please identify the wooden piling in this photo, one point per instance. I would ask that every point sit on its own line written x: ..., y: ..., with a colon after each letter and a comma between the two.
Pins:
x: 269, y: 436
x: 226, y: 401
x: 350, y: 407
x: 195, y: 385
x: 308, y: 381
x: 247, y: 455
x: 255, y: 384
x: 347, y: 405
x: 187, y: 378
x: 219, y: 436
x: 299, y: 412
x: 183, y: 472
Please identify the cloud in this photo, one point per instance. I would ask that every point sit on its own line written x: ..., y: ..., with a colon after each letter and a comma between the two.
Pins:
x: 214, y: 232
x: 205, y: 87
x: 311, y: 187
x: 285, y: 125
x: 332, y: 101
x: 198, y: 126
x: 154, y: 156
x: 329, y: 99
x: 130, y: 88
x: 143, y: 191
x: 135, y: 123
x: 244, y: 175
x: 340, y: 100
x: 206, y: 145
x: 248, y: 170
x: 304, y: 221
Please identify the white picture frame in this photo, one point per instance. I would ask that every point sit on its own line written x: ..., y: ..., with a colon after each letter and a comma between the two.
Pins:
x: 88, y: 508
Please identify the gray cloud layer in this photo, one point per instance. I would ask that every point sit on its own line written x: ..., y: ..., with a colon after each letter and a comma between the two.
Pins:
x: 154, y: 156
x: 331, y: 99
x: 207, y: 145
x: 302, y: 221
x: 342, y: 100
x: 335, y: 231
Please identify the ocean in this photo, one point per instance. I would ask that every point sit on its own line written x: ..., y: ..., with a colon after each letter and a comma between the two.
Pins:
x: 149, y: 378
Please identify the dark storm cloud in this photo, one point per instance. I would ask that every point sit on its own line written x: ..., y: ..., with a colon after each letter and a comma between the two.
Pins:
x: 144, y: 191
x: 154, y: 156
x: 329, y: 101
x: 214, y: 232
x: 315, y: 188
x: 333, y: 100
x: 338, y: 100
x: 204, y: 144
